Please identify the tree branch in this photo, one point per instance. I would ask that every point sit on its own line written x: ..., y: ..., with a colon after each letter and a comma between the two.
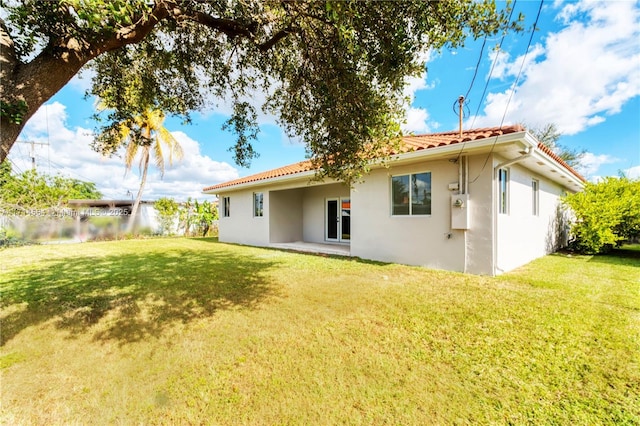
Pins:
x: 228, y: 26
x: 263, y: 47
x: 136, y: 32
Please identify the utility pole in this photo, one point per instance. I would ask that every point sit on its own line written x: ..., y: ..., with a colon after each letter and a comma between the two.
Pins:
x: 33, y: 151
x: 460, y: 104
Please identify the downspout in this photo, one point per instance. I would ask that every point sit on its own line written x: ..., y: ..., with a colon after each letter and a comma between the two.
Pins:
x: 466, y: 191
x: 526, y: 153
x: 463, y: 181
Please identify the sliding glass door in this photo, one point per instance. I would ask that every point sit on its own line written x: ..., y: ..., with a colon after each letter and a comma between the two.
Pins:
x: 338, y: 219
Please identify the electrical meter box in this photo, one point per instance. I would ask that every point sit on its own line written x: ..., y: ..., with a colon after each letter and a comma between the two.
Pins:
x: 460, y: 211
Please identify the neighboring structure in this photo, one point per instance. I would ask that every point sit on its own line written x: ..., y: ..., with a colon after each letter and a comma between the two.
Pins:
x: 106, y: 219
x: 483, y: 203
x: 79, y: 221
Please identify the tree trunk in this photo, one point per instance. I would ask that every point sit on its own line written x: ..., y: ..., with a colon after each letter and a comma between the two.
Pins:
x: 35, y: 82
x: 143, y: 181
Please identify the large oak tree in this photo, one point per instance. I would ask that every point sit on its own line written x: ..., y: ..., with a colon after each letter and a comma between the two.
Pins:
x: 332, y: 71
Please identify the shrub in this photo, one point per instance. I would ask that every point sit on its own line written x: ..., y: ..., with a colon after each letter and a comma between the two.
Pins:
x: 607, y: 213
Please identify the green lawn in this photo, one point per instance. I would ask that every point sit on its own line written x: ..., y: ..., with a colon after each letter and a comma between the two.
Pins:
x: 191, y: 331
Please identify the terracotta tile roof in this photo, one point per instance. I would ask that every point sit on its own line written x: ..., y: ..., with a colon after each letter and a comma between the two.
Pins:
x: 303, y: 166
x: 410, y: 143
x: 433, y: 140
x: 553, y: 155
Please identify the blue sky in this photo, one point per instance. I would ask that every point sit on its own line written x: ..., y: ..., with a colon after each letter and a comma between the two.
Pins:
x: 581, y: 72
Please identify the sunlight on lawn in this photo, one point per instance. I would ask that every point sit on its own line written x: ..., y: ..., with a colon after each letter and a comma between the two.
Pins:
x: 191, y: 331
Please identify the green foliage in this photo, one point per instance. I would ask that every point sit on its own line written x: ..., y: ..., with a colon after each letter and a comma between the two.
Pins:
x: 33, y: 190
x: 36, y: 194
x: 11, y: 238
x: 167, y: 209
x: 197, y: 217
x: 86, y: 21
x: 333, y: 72
x: 607, y: 213
x: 206, y: 214
x: 13, y: 112
x: 243, y: 122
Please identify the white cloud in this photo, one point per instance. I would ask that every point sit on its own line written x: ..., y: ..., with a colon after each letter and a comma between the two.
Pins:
x: 69, y: 153
x: 633, y: 172
x: 578, y: 75
x: 418, y: 119
x: 590, y: 163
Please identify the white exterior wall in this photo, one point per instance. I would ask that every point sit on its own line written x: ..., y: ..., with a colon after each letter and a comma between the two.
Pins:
x: 241, y: 226
x: 480, y: 234
x: 295, y: 211
x: 313, y: 209
x: 521, y: 235
x: 290, y: 214
x: 415, y: 240
x: 285, y: 216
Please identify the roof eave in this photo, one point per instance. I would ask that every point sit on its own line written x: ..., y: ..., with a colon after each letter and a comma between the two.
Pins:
x: 461, y: 148
x: 262, y: 182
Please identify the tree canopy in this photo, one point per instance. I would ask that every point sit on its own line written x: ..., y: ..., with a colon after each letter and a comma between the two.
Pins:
x: 332, y: 72
x: 32, y: 190
x: 607, y: 213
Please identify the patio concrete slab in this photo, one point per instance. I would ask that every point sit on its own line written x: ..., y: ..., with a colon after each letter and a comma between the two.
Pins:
x: 333, y: 249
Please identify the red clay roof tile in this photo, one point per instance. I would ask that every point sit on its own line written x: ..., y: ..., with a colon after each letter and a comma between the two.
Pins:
x: 410, y: 143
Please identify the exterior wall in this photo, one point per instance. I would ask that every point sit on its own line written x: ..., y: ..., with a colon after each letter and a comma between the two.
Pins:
x: 290, y: 214
x: 479, y: 242
x: 415, y: 240
x: 241, y: 226
x: 521, y: 235
x: 493, y: 243
x: 285, y: 216
x: 313, y: 209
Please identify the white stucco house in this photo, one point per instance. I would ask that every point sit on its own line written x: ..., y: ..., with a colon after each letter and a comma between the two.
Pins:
x: 484, y: 202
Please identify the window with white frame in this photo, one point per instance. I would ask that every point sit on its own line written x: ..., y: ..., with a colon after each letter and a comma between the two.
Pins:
x: 226, y: 206
x: 503, y: 191
x: 411, y: 194
x: 258, y: 199
x: 535, y: 197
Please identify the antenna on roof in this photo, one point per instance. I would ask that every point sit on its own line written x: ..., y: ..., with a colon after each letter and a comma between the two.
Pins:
x: 460, y: 104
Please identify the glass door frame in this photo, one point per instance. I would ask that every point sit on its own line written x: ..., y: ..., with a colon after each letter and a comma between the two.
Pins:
x: 339, y: 218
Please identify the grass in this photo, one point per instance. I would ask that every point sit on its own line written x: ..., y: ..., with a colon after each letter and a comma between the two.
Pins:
x: 191, y: 331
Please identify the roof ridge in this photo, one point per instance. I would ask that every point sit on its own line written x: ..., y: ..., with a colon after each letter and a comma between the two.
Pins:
x: 425, y: 141
x: 512, y: 129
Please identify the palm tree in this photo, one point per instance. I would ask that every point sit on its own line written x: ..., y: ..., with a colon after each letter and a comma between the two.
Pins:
x: 145, y: 134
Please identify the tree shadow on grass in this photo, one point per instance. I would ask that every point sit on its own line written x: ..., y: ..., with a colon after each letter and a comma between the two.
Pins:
x: 134, y: 295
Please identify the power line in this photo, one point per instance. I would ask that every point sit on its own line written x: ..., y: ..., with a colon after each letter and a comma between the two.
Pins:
x: 62, y: 169
x: 524, y: 59
x: 15, y: 166
x: 33, y: 151
x: 473, y: 79
x: 493, y: 65
x: 513, y: 89
x: 475, y: 72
